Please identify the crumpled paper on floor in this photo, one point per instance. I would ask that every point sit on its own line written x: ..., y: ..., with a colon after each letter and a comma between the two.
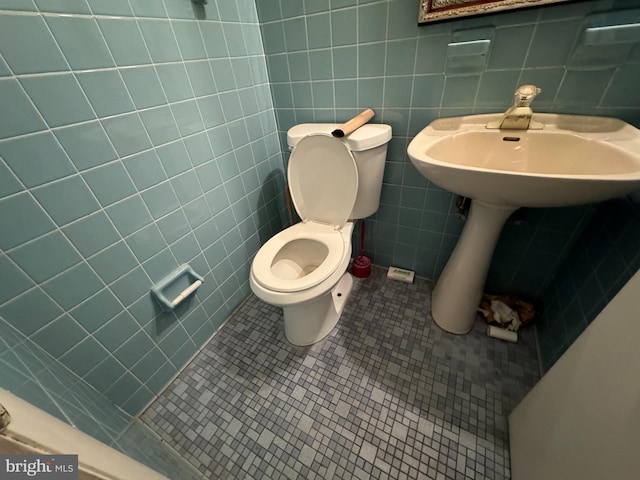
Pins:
x: 507, y: 311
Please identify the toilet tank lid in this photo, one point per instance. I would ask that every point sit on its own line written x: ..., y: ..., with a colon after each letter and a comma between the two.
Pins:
x: 368, y: 136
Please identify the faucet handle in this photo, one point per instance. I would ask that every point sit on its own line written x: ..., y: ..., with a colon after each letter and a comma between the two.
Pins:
x: 525, y: 94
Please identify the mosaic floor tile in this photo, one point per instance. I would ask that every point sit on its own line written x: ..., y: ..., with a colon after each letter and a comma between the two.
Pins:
x: 386, y: 395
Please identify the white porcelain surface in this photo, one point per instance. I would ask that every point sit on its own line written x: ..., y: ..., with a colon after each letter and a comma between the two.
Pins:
x: 457, y: 294
x: 572, y: 160
x: 303, y: 268
x: 284, y: 298
x: 366, y: 137
x: 323, y: 179
x: 299, y: 257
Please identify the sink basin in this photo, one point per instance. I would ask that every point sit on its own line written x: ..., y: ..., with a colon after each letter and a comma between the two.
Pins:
x: 573, y: 160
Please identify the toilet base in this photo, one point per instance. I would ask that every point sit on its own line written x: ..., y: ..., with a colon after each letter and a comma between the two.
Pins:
x: 309, y: 322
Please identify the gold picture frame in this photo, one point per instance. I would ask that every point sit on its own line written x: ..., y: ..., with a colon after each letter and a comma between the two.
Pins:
x: 441, y: 10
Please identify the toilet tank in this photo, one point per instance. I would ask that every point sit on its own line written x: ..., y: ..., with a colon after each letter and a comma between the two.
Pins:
x: 368, y: 144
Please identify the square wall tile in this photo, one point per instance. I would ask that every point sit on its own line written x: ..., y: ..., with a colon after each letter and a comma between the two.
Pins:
x: 80, y: 41
x: 129, y: 215
x: 186, y: 186
x: 106, y: 92
x: 551, y: 43
x: 26, y: 219
x: 13, y: 280
x: 197, y: 212
x: 189, y: 40
x: 24, y: 117
x: 59, y: 336
x: 400, y: 57
x: 27, y: 45
x: 71, y: 287
x: 199, y: 148
x: 145, y: 169
x: 86, y: 144
x: 147, y: 8
x: 112, y: 7
x: 64, y: 6
x: 509, y: 46
x: 84, y: 356
x: 46, y: 256
x: 227, y: 73
x: 66, y: 200
x: 105, y: 374
x: 132, y: 286
x: 91, y: 234
x: 584, y: 88
x: 175, y: 81
x: 160, y: 40
x: 235, y: 39
x: 133, y: 349
x: 460, y: 91
x: 174, y: 158
x: 187, y: 117
x: 342, y: 23
x: 319, y: 30
x: 160, y: 199
x: 372, y: 22
x: 113, y: 262
x: 117, y: 331
x: 97, y: 310
x: 174, y: 226
x: 160, y: 265
x: 146, y: 242
x: 58, y: 98
x: 125, y: 41
x: 127, y: 134
x: 110, y: 183
x: 160, y: 124
x: 431, y: 53
x: 211, y: 111
x: 144, y: 86
x: 214, y: 41
x: 36, y: 159
x: 623, y: 90
x: 121, y: 390
x: 30, y: 311
x: 150, y: 363
x: 201, y: 78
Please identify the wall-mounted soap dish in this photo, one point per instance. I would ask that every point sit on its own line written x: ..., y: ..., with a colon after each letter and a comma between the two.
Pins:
x: 176, y: 287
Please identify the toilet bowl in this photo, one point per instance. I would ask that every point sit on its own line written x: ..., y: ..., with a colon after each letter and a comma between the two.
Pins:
x: 303, y: 269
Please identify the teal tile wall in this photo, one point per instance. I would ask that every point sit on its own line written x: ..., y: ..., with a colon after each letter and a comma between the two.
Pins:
x: 135, y: 136
x: 329, y: 60
x: 605, y: 257
x: 35, y: 375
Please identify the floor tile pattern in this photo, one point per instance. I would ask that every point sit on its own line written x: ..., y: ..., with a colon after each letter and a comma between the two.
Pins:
x: 386, y: 395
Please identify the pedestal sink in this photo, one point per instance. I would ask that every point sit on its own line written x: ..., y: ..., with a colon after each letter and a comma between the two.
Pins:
x: 572, y: 160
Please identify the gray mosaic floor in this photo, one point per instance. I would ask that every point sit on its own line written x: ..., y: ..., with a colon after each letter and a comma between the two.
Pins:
x: 387, y: 395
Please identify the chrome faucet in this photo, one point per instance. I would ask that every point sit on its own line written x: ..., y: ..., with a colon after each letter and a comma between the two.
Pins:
x: 518, y: 116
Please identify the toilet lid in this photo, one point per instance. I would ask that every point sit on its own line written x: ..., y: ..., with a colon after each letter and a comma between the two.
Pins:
x: 323, y: 179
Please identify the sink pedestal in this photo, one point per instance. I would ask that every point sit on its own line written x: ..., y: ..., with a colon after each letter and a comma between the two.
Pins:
x: 457, y: 295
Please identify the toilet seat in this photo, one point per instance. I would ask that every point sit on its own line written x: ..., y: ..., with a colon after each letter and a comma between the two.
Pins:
x: 287, y: 273
x: 323, y: 179
x: 323, y: 182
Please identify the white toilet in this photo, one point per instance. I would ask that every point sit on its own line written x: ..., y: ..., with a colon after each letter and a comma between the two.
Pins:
x: 303, y: 269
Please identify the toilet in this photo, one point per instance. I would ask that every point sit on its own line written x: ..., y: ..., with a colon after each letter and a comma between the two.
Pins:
x: 332, y: 182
